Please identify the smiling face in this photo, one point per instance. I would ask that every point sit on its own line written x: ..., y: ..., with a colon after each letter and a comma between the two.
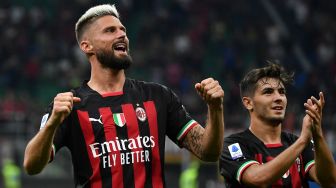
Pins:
x: 106, y: 39
x: 268, y: 102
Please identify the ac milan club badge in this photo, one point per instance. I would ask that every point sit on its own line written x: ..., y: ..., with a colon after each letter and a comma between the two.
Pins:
x: 141, y: 114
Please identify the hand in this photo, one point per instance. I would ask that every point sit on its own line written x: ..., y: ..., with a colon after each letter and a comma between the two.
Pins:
x: 211, y: 92
x: 314, y: 109
x: 63, y: 103
x: 306, y: 131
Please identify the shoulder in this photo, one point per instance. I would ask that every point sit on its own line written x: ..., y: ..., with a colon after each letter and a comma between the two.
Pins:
x: 288, y: 136
x: 83, y: 90
x: 145, y: 84
x: 238, y: 137
x: 149, y: 87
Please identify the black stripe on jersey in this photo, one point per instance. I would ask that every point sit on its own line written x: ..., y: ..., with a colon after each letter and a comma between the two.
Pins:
x: 144, y: 130
x: 80, y: 180
x: 98, y: 130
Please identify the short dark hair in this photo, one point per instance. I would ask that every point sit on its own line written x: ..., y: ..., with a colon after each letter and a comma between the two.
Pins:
x: 248, y: 84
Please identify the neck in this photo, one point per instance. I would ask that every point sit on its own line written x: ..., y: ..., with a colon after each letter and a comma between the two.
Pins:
x: 268, y: 133
x: 106, y: 80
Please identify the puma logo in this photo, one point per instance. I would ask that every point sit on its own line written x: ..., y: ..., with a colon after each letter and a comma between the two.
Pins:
x: 97, y: 120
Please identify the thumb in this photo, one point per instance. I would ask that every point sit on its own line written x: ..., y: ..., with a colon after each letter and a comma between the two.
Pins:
x: 198, y: 86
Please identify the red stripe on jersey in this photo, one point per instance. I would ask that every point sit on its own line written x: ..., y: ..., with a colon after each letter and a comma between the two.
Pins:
x: 89, y: 137
x: 156, y: 161
x: 112, y: 94
x: 294, y: 172
x: 273, y: 145
x: 133, y: 132
x: 110, y: 135
x: 279, y: 182
x: 258, y: 157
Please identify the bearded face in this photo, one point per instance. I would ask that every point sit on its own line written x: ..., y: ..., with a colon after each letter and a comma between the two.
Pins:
x: 108, y: 39
x: 114, y: 59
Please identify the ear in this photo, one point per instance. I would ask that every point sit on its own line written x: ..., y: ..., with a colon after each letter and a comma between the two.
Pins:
x: 86, y: 46
x: 248, y: 103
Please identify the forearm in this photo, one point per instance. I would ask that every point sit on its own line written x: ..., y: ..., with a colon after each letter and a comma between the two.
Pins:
x: 324, y: 162
x: 38, y: 150
x: 206, y: 143
x: 214, y: 133
x: 268, y: 173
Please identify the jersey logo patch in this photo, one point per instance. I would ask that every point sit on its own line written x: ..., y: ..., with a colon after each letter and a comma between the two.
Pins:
x: 141, y: 114
x: 119, y: 119
x: 235, y: 151
x: 44, y: 121
x: 97, y: 120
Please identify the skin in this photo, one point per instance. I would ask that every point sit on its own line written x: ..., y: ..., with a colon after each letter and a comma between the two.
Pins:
x: 267, y: 109
x: 104, y: 34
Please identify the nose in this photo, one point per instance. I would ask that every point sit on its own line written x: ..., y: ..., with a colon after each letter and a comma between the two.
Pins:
x: 121, y: 33
x: 278, y: 97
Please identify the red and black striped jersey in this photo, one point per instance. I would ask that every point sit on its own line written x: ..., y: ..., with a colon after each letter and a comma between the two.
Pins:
x: 243, y: 149
x: 118, y: 139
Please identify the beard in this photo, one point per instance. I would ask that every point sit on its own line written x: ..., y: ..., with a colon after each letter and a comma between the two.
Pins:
x: 267, y: 116
x: 110, y: 60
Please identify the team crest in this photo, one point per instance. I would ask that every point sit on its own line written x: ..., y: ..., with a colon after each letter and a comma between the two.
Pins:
x: 119, y: 119
x: 141, y: 114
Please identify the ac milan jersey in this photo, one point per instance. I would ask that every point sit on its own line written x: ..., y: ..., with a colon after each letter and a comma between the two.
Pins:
x: 118, y: 139
x: 244, y: 149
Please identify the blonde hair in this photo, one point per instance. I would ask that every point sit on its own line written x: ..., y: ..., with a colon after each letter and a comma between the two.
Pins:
x: 91, y: 15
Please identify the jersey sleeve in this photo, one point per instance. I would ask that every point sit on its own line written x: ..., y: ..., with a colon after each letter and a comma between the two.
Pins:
x: 308, y: 158
x: 60, y: 138
x: 234, y: 160
x: 179, y: 122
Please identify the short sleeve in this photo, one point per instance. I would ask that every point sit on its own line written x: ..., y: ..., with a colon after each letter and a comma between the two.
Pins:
x: 61, y: 132
x: 308, y: 157
x: 179, y: 122
x: 234, y: 160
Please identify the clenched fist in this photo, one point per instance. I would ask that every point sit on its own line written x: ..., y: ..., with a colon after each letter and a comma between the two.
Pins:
x: 63, y: 103
x: 211, y: 92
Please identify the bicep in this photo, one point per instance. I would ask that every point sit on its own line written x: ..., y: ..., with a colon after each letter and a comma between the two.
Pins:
x: 193, y: 140
x: 312, y: 174
x: 249, y: 178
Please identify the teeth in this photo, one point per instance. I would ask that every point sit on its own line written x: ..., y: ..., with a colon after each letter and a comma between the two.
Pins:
x: 120, y: 46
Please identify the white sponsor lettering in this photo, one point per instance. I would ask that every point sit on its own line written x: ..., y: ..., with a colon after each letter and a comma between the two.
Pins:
x: 109, y: 161
x: 134, y: 157
x: 94, y: 149
x: 107, y: 150
x: 98, y: 149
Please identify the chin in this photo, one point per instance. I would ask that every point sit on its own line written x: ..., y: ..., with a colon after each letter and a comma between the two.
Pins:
x: 276, y: 119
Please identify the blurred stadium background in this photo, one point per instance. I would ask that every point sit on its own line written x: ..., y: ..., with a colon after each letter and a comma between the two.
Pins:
x: 173, y: 42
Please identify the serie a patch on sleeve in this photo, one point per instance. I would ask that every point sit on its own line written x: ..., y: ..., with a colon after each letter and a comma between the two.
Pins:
x: 235, y: 151
x: 44, y: 121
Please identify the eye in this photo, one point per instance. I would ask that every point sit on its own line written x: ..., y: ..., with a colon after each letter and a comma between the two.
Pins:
x: 110, y: 29
x: 268, y: 91
x: 123, y: 29
x: 282, y: 91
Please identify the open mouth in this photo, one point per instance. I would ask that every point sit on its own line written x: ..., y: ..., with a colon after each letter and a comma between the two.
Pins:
x: 120, y: 47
